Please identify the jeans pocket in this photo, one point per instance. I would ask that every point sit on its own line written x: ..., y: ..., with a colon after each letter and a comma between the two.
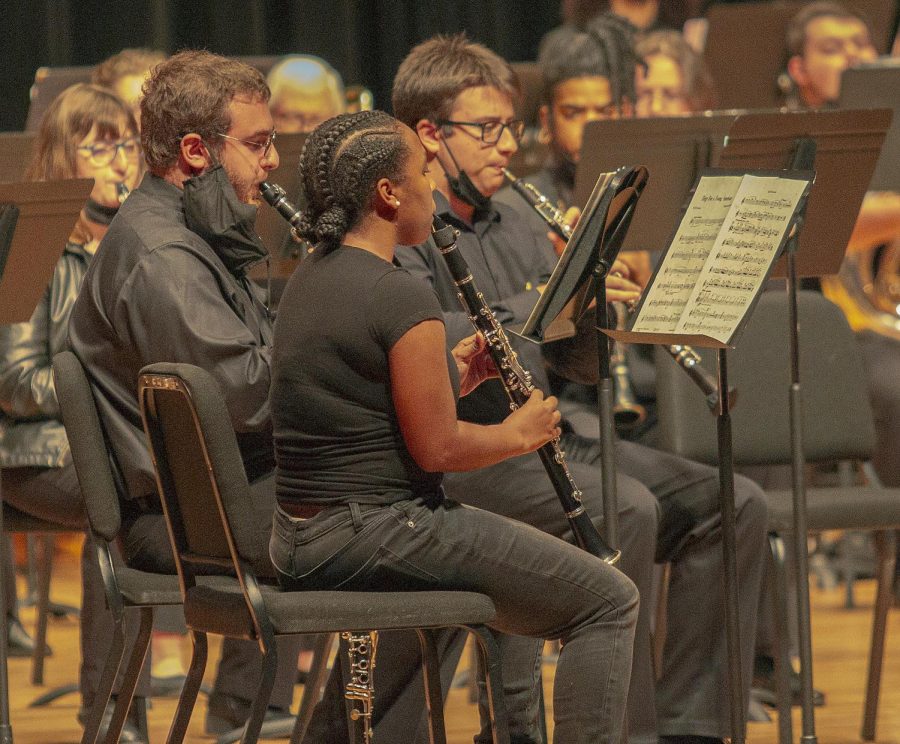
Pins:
x: 387, y: 571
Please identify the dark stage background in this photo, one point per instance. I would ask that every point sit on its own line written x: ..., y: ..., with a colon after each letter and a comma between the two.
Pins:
x: 364, y: 39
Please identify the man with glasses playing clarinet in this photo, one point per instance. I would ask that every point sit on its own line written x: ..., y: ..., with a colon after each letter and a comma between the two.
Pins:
x: 458, y: 96
x: 169, y: 283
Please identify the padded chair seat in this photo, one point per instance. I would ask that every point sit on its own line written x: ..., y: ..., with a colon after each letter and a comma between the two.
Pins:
x: 222, y: 610
x: 17, y: 521
x: 144, y: 589
x: 827, y: 508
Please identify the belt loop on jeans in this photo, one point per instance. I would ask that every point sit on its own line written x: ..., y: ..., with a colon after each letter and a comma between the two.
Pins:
x: 356, y: 516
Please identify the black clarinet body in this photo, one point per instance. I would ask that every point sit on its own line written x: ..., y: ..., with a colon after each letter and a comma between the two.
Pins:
x: 518, y: 385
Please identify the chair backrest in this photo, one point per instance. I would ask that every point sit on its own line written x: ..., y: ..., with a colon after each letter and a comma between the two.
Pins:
x: 837, y: 416
x: 87, y: 441
x: 200, y: 474
x: 49, y: 82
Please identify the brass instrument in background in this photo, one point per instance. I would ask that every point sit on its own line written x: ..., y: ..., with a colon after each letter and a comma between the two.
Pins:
x: 627, y: 412
x: 867, y: 289
x: 684, y: 356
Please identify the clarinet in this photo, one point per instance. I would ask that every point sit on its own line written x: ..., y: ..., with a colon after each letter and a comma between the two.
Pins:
x: 518, y: 385
x: 684, y: 356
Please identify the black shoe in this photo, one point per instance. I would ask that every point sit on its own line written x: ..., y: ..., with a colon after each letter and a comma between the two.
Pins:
x: 131, y: 734
x: 765, y: 685
x: 226, y: 713
x: 18, y: 642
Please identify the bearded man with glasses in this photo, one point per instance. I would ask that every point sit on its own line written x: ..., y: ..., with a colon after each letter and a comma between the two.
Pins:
x: 169, y: 283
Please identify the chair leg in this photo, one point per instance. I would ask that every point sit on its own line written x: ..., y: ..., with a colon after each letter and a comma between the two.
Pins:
x: 263, y: 691
x: 490, y: 666
x: 887, y: 559
x: 659, y: 629
x: 45, y: 565
x: 315, y: 683
x: 431, y: 676
x: 782, y: 656
x: 107, y: 680
x: 130, y: 678
x: 188, y: 697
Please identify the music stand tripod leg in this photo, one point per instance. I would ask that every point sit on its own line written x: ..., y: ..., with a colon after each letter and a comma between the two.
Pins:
x: 729, y: 553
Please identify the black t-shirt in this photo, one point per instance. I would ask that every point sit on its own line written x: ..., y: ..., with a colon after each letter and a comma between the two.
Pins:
x: 337, y: 438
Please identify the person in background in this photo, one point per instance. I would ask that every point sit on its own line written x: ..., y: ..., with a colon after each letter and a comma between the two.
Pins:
x: 124, y: 74
x: 87, y: 132
x: 306, y: 91
x: 823, y: 40
x: 672, y: 78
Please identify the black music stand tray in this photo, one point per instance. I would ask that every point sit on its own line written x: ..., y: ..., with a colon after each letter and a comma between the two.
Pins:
x: 843, y: 147
x: 587, y: 260
x: 35, y: 221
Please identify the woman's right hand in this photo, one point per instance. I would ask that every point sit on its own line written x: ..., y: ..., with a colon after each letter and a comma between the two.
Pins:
x: 536, y: 422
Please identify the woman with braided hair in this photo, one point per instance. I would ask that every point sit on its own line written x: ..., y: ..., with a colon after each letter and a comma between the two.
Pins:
x: 363, y: 401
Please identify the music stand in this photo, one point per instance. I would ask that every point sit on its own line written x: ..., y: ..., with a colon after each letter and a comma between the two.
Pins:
x: 15, y: 153
x: 587, y: 260
x: 843, y: 147
x: 875, y: 85
x: 35, y: 221
x: 674, y: 149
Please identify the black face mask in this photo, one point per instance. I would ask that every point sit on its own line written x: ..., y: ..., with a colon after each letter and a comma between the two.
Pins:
x: 99, y: 213
x: 463, y: 188
x: 213, y: 211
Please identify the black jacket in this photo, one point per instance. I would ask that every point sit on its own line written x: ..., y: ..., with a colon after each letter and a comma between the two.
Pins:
x: 158, y: 292
x: 31, y: 433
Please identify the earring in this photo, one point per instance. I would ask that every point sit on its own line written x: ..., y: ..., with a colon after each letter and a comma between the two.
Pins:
x: 396, y: 204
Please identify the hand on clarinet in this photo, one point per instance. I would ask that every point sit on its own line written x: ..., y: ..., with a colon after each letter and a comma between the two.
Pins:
x: 473, y: 362
x: 620, y: 286
x: 571, y: 219
x: 536, y: 422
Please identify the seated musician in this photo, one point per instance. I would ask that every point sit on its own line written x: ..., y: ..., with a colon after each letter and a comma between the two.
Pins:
x: 306, y: 91
x: 125, y: 73
x: 823, y: 40
x: 364, y: 408
x: 586, y: 79
x: 87, y: 132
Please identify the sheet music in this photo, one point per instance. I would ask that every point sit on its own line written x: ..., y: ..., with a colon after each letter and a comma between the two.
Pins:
x: 725, y: 245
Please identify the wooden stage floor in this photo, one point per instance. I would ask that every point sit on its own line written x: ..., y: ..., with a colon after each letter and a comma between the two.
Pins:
x: 840, y: 639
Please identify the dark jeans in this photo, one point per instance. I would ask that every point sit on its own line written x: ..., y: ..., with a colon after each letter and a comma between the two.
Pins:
x: 668, y: 512
x: 542, y: 587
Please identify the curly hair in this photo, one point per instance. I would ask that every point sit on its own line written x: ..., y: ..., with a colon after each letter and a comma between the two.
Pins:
x: 191, y: 92
x: 341, y: 162
x: 436, y: 71
x: 604, y: 47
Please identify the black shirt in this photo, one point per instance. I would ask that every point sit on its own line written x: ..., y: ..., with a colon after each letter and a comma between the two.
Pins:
x: 337, y: 437
x: 507, y: 265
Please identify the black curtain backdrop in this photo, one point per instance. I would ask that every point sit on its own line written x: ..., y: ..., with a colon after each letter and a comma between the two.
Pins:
x: 364, y: 39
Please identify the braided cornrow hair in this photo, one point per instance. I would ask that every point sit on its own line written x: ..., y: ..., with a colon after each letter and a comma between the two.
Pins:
x: 341, y: 162
x: 603, y: 48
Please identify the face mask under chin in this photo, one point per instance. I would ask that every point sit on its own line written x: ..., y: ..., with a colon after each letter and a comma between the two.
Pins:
x: 213, y: 210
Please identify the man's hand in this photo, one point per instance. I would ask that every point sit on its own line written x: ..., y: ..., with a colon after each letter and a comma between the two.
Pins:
x: 570, y: 218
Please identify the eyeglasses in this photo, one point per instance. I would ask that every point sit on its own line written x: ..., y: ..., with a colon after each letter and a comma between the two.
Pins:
x: 491, y: 131
x: 260, y: 148
x: 102, y: 154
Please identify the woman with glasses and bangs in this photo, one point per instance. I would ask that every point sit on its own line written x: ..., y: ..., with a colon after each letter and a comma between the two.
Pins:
x: 86, y: 133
